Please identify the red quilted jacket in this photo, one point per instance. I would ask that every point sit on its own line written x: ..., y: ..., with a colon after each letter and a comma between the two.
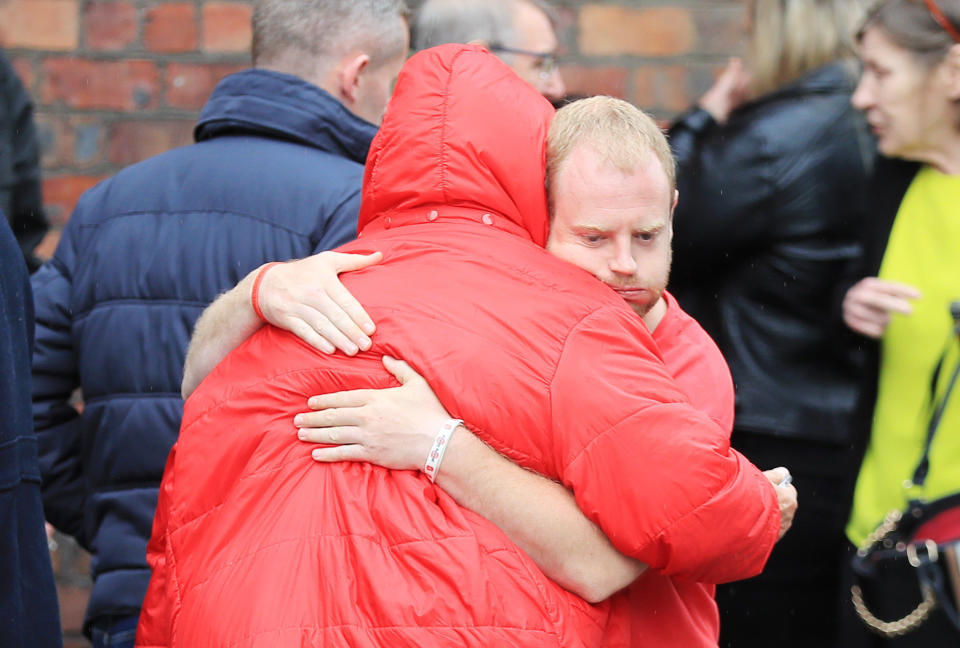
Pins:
x: 254, y: 544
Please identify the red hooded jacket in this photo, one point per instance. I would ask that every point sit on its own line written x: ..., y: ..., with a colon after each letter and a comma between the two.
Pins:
x: 255, y: 544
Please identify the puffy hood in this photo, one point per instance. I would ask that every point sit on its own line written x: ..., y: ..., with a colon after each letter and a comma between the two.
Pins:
x: 463, y: 137
x: 264, y: 103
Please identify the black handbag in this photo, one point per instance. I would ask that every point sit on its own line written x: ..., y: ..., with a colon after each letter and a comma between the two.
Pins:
x: 908, y: 567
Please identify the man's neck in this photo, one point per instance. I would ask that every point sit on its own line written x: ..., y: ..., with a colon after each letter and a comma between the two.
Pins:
x: 655, y: 314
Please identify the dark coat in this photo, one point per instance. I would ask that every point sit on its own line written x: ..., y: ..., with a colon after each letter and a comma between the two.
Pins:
x: 275, y: 175
x: 20, y: 196
x: 770, y: 209
x: 28, y: 599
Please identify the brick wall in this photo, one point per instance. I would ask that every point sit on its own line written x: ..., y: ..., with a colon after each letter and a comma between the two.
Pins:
x: 116, y: 81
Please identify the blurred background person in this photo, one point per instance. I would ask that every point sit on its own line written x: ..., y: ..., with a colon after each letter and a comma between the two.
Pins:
x: 28, y: 600
x: 520, y: 32
x: 772, y: 191
x: 20, y: 190
x: 910, y: 273
x: 275, y: 174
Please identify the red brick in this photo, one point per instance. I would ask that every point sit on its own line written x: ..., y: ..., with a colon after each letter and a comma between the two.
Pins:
x: 110, y: 25
x: 109, y: 85
x: 190, y: 84
x: 226, y: 27
x: 609, y: 30
x: 39, y: 24
x: 661, y: 87
x: 73, y: 605
x: 73, y: 141
x: 132, y: 141
x: 589, y: 81
x: 60, y: 195
x: 171, y: 28
x: 24, y: 69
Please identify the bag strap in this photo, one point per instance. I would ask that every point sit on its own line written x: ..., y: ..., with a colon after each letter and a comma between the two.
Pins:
x: 937, y: 408
x: 931, y: 576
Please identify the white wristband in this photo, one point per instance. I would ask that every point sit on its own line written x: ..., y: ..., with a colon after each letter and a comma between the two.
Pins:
x: 440, y: 443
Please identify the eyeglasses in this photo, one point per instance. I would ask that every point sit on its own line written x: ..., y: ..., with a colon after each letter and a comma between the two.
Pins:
x: 941, y: 19
x: 546, y: 61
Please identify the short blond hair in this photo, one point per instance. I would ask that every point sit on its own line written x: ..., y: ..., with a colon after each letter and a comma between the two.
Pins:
x: 621, y: 133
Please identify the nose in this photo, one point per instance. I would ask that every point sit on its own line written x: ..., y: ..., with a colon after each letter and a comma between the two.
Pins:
x: 553, y: 87
x: 861, y: 97
x: 623, y: 262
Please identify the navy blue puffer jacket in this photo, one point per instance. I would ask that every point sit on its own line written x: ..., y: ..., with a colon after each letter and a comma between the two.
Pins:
x: 275, y: 174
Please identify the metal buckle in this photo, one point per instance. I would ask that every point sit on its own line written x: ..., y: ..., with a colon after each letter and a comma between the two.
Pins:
x: 932, y: 554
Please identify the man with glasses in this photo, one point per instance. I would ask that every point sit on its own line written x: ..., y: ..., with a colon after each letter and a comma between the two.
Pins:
x: 520, y: 32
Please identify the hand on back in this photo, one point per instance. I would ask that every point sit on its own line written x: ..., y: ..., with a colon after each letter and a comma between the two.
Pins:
x: 306, y: 298
x: 393, y: 428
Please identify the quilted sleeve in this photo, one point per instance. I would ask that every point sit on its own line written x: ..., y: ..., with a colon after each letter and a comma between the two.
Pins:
x: 658, y: 476
x: 54, y: 378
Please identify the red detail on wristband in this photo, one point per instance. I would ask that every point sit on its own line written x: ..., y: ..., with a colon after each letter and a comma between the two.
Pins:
x: 255, y: 291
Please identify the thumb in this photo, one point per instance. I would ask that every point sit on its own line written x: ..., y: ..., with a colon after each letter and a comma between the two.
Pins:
x: 403, y: 372
x: 348, y: 262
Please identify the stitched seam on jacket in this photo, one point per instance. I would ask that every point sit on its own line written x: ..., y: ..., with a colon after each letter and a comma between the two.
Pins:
x: 195, y: 212
x: 337, y: 536
x: 443, y: 128
x: 137, y: 301
x: 167, y: 395
x: 422, y: 629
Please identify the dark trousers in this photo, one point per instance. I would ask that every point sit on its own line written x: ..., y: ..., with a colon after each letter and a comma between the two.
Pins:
x: 114, y: 632
x: 796, y: 600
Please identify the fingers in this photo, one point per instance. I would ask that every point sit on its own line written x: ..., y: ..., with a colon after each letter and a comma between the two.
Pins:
x: 343, y: 399
x: 894, y: 288
x: 307, y: 333
x: 349, y: 262
x: 351, y: 319
x: 865, y: 321
x: 346, y: 313
x: 776, y: 475
x: 403, y: 372
x: 338, y: 435
x: 868, y: 304
x: 340, y: 453
x: 315, y: 327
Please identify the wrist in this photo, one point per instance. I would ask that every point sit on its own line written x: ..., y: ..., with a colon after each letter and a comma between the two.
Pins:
x: 256, y: 287
x: 441, y: 441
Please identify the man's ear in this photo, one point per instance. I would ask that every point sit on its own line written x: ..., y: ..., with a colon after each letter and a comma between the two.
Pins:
x: 951, y: 67
x: 348, y: 76
x: 676, y: 199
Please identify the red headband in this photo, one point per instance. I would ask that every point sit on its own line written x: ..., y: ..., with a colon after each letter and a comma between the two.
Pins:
x: 940, y: 18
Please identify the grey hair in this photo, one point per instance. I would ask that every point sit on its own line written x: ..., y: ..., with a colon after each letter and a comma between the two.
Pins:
x: 912, y: 27
x: 462, y: 21
x: 323, y: 30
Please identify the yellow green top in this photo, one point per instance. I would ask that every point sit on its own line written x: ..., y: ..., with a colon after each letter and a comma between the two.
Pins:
x: 924, y: 252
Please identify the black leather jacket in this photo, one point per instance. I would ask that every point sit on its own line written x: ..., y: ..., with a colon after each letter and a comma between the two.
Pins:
x: 768, y: 221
